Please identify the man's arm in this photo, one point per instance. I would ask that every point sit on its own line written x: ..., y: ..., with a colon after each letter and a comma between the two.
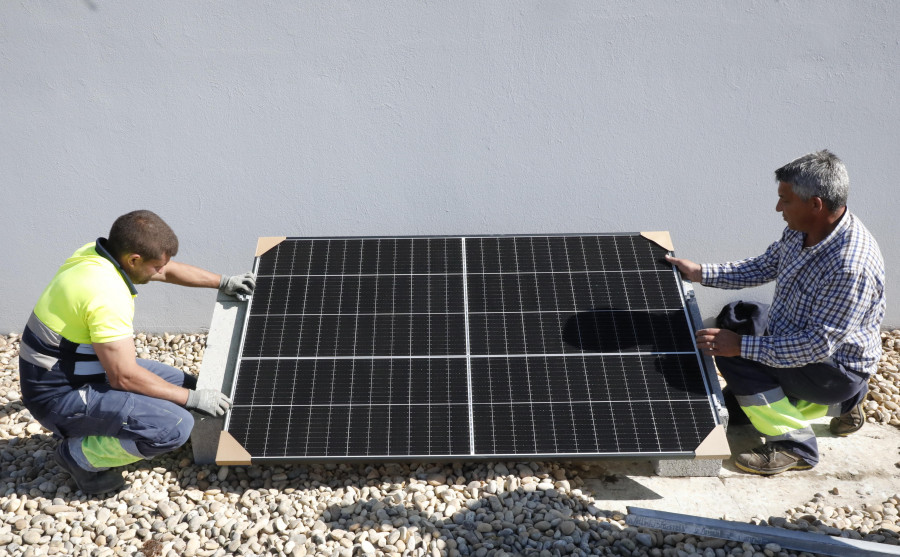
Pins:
x: 125, y: 374
x: 753, y: 271
x: 841, y: 306
x: 120, y: 362
x: 187, y: 275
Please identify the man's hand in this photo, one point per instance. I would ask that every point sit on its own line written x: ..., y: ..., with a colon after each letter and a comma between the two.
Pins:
x: 719, y: 342
x: 238, y: 284
x: 208, y: 401
x: 688, y: 269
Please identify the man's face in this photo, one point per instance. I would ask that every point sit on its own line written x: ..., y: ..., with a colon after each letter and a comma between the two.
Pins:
x: 139, y: 270
x: 797, y: 213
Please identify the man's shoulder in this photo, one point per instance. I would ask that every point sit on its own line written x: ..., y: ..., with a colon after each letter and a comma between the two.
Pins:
x: 89, y: 272
x: 858, y: 250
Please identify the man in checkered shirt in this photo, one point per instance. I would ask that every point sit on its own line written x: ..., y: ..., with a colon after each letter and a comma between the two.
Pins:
x: 823, y: 338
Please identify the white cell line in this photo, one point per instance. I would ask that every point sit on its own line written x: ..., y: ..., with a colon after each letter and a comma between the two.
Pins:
x: 580, y: 343
x: 524, y: 335
x: 468, y: 350
x: 428, y: 343
x: 618, y: 343
x: 473, y: 356
x: 541, y: 324
x: 587, y: 379
x: 343, y: 259
x: 650, y: 407
x: 391, y: 363
x: 299, y: 344
x: 409, y: 375
x: 489, y: 375
x: 281, y: 343
x: 482, y: 456
x: 318, y: 340
x: 516, y: 312
x: 262, y: 338
x: 372, y: 368
x: 423, y: 404
x: 355, y: 337
x: 474, y: 273
x: 447, y: 338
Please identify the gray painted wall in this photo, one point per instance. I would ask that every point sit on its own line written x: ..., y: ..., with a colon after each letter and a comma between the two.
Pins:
x: 235, y: 120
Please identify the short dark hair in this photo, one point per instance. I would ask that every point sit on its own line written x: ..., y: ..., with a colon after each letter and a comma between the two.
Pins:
x: 820, y: 174
x: 144, y: 233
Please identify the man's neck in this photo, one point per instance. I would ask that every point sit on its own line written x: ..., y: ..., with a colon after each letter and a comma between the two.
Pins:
x: 822, y: 229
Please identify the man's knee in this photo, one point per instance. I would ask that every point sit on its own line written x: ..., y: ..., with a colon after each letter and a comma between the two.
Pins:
x: 180, y: 431
x: 165, y: 428
x: 745, y: 376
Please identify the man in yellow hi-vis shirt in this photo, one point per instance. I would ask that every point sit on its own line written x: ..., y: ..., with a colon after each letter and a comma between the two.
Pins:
x: 80, y: 376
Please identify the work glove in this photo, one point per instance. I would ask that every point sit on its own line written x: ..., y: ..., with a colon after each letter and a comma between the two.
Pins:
x: 208, y: 401
x: 239, y: 286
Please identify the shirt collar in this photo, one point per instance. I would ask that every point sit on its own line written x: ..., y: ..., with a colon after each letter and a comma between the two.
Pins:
x: 101, y: 250
x: 842, y: 225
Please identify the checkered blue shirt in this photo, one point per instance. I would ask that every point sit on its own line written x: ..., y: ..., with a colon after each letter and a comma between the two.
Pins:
x: 828, y: 303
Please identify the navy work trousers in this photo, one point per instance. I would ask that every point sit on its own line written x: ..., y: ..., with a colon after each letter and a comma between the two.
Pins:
x: 754, y: 384
x: 145, y: 425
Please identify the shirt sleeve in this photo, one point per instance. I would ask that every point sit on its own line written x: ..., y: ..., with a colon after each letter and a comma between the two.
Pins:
x: 744, y: 273
x: 840, y: 308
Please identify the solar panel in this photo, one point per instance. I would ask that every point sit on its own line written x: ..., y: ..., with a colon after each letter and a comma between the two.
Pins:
x: 550, y: 346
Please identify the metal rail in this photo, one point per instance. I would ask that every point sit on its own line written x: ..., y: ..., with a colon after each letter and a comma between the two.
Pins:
x: 758, y: 535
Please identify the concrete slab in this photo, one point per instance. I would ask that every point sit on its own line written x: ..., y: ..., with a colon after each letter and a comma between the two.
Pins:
x: 863, y: 467
x: 217, y: 371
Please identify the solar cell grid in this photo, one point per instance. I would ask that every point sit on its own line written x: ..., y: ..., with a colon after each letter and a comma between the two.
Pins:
x: 463, y: 347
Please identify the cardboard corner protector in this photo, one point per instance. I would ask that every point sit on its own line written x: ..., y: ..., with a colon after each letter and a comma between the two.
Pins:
x: 265, y: 243
x: 660, y: 238
x: 715, y: 446
x: 230, y: 452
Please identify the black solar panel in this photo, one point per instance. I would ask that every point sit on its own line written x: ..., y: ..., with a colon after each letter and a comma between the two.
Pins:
x: 468, y: 347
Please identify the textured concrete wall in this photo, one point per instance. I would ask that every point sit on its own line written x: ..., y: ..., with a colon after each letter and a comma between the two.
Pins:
x: 236, y: 120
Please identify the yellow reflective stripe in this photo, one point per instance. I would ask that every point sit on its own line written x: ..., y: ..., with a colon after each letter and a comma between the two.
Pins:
x: 776, y: 418
x: 811, y: 410
x: 106, y: 452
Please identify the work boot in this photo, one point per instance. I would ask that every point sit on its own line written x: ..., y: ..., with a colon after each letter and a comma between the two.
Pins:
x: 92, y: 483
x: 847, y: 423
x: 769, y: 460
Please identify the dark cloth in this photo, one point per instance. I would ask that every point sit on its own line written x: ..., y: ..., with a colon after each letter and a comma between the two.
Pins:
x: 744, y: 318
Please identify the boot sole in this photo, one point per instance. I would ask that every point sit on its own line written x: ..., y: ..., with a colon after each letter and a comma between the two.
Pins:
x: 746, y: 468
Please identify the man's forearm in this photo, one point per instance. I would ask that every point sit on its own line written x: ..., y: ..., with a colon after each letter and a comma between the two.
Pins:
x: 188, y: 275
x: 136, y: 379
x: 125, y: 374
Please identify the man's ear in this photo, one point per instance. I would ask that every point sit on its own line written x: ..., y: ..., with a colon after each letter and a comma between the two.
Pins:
x: 817, y: 204
x: 131, y: 260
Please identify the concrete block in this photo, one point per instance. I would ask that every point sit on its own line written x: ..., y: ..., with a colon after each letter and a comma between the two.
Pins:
x: 687, y: 468
x: 217, y: 371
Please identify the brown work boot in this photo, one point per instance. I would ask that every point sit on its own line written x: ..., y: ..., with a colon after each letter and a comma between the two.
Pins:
x: 91, y: 483
x: 852, y: 421
x: 769, y: 460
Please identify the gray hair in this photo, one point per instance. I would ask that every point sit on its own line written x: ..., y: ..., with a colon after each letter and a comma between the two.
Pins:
x: 820, y: 174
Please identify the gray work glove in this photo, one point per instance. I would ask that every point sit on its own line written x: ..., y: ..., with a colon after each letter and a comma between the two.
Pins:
x: 208, y: 401
x: 238, y: 285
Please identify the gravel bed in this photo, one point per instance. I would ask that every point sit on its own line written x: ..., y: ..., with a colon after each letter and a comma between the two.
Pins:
x: 172, y: 507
